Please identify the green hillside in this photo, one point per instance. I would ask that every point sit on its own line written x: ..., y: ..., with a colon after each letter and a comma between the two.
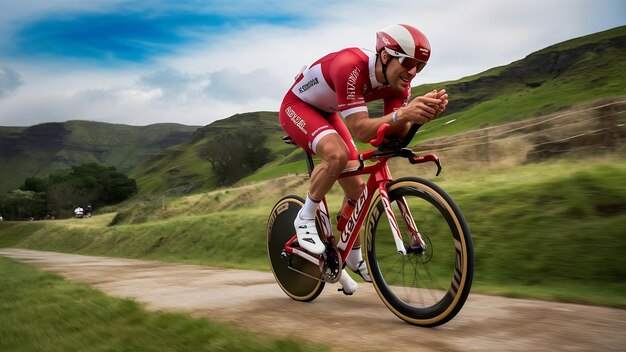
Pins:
x: 180, y: 169
x: 555, y: 78
x: 45, y: 148
x: 561, y: 76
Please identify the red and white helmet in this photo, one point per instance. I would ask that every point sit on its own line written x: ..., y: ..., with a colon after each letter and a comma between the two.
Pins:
x: 405, y: 42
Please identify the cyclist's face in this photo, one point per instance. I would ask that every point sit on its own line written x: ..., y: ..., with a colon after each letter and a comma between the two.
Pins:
x: 398, y: 76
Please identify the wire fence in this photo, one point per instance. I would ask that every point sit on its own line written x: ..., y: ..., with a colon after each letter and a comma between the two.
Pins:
x: 597, y: 128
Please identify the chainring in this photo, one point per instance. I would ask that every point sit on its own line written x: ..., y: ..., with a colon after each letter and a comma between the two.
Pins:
x: 332, y: 265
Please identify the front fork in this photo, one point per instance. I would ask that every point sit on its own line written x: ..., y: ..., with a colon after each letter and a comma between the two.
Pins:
x: 416, y: 243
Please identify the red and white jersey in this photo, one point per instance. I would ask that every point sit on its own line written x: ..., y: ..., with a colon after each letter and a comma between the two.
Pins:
x: 344, y: 81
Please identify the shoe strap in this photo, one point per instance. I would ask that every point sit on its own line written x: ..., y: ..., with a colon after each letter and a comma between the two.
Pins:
x: 358, y: 268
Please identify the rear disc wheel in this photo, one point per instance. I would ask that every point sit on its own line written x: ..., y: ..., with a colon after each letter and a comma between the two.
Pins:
x: 280, y: 229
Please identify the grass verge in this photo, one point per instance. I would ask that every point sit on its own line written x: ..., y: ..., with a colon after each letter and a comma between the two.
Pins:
x: 42, y: 312
x: 551, y: 230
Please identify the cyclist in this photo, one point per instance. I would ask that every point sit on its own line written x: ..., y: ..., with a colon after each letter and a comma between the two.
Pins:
x: 341, y: 83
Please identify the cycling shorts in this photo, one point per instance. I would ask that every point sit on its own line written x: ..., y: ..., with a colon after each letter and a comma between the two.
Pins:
x: 307, y: 125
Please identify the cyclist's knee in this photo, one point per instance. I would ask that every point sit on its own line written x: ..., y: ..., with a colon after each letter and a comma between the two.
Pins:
x: 334, y: 152
x: 337, y: 158
x: 335, y: 162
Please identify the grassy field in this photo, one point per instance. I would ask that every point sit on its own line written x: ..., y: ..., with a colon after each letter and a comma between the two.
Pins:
x: 42, y: 312
x: 550, y: 231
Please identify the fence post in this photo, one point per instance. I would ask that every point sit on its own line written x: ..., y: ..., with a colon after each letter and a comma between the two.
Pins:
x: 486, y: 149
x: 608, y: 122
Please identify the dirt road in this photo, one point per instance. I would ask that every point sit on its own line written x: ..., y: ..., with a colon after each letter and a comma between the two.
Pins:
x: 252, y: 300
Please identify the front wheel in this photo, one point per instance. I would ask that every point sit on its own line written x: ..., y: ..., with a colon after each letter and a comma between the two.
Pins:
x: 428, y: 288
x: 280, y: 230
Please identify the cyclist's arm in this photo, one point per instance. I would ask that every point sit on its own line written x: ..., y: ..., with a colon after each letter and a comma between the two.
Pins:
x: 417, y: 111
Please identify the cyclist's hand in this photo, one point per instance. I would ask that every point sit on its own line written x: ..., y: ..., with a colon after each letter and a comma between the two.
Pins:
x: 441, y: 95
x: 421, y: 109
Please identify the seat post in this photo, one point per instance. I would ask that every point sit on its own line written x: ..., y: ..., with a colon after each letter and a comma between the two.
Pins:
x: 309, y: 156
x: 309, y: 162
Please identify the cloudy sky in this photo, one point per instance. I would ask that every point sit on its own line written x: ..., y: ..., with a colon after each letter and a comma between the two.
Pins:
x: 197, y: 61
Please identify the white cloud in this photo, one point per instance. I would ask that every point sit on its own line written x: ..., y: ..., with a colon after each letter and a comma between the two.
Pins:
x: 9, y: 81
x: 175, y: 86
x: 232, y: 85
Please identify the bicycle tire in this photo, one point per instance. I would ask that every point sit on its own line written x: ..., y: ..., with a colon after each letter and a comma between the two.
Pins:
x: 425, y: 289
x: 279, y: 230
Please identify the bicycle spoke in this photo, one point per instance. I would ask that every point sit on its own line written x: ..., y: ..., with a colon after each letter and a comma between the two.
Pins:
x: 417, y: 283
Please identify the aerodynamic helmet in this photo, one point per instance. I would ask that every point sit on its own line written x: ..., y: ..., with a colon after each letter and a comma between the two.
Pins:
x: 406, y: 43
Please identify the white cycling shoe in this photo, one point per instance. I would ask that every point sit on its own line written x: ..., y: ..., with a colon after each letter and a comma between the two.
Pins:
x: 307, y: 235
x: 348, y: 285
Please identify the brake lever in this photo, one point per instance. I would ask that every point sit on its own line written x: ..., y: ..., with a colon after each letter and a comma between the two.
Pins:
x: 426, y: 158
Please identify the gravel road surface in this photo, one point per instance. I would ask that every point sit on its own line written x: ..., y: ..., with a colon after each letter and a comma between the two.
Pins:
x: 252, y: 300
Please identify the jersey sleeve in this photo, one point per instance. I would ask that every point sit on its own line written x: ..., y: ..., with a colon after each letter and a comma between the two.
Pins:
x: 348, y: 73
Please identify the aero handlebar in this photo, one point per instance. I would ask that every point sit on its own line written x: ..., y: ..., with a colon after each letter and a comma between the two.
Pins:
x: 396, y: 143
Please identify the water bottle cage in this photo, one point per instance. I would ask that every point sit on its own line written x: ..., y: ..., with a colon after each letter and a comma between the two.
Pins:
x: 344, y: 215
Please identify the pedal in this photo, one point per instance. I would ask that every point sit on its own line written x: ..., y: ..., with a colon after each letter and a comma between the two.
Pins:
x: 344, y: 292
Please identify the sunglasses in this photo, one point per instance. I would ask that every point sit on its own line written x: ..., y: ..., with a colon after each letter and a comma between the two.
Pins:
x: 406, y: 61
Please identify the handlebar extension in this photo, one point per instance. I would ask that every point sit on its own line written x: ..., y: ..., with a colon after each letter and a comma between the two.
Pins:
x: 383, y: 143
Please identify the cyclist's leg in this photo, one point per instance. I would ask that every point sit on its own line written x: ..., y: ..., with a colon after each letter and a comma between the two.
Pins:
x: 334, y: 156
x: 310, y: 129
x: 336, y: 152
x: 313, y: 130
x: 352, y: 187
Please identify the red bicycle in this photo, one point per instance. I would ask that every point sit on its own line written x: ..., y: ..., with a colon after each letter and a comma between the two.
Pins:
x: 421, y: 266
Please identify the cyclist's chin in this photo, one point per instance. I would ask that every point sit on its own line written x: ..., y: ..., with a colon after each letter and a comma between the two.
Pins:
x: 400, y: 84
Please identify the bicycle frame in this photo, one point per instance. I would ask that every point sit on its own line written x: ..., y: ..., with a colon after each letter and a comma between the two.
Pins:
x: 379, y: 178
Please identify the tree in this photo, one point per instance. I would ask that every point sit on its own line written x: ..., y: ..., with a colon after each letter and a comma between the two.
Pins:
x: 35, y: 184
x: 236, y: 154
x: 89, y: 183
x: 20, y: 205
x: 82, y: 185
